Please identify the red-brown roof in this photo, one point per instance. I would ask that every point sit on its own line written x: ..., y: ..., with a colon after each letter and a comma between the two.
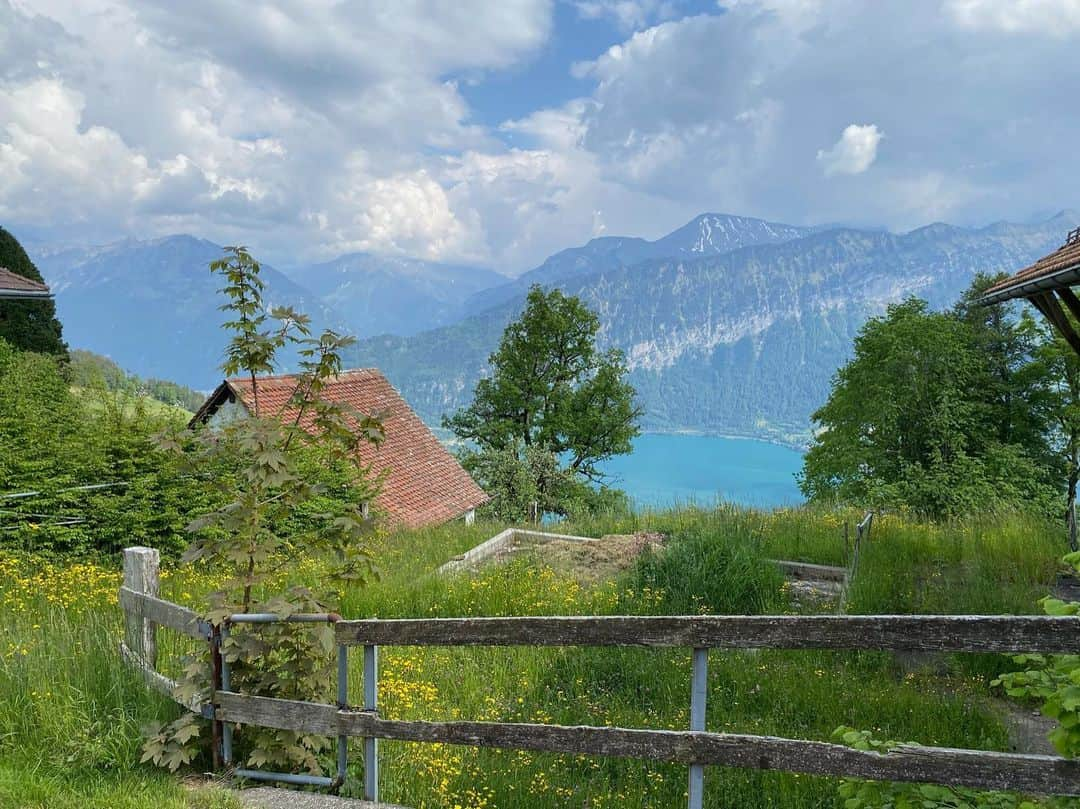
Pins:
x: 17, y: 283
x: 1049, y: 272
x: 424, y: 483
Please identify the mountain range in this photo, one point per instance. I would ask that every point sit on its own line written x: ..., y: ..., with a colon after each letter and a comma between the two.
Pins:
x: 392, y: 295
x: 730, y: 324
x: 152, y: 306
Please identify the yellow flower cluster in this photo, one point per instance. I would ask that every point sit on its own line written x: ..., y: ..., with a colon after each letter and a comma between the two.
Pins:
x: 27, y: 584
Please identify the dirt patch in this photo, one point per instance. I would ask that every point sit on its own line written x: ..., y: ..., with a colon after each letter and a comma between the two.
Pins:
x: 601, y: 559
x: 588, y: 560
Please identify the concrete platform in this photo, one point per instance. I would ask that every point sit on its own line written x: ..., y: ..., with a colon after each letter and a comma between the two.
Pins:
x: 275, y: 798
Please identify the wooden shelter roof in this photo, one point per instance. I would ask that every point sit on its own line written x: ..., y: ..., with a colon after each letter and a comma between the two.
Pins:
x: 424, y: 483
x: 1059, y: 270
x: 16, y: 287
x: 1048, y: 284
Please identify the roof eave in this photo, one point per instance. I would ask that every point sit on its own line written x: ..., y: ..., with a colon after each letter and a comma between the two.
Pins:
x: 1024, y: 289
x: 24, y: 294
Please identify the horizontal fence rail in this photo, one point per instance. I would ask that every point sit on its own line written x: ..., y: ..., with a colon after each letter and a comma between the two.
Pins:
x: 949, y: 633
x: 164, y: 613
x: 696, y: 747
x: 970, y: 768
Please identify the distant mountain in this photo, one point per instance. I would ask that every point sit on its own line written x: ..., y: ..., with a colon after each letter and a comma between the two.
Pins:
x: 388, y: 295
x: 741, y: 342
x: 730, y: 324
x: 707, y: 234
x: 152, y: 306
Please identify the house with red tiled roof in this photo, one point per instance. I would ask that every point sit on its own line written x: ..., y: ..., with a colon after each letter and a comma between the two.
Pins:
x: 423, y: 484
x: 16, y: 287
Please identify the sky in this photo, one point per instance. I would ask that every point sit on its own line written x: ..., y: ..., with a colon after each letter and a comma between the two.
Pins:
x: 497, y: 133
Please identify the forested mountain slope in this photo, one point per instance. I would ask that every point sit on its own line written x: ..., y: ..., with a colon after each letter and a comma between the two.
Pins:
x: 742, y: 342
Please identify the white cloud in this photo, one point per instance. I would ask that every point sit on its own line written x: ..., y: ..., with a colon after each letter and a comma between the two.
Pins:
x: 405, y: 213
x: 728, y: 112
x: 854, y: 153
x: 628, y: 15
x: 1053, y: 17
x: 311, y: 127
x: 296, y: 126
x: 52, y: 166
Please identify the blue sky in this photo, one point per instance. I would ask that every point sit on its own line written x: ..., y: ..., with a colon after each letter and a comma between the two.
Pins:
x: 546, y: 79
x: 499, y: 133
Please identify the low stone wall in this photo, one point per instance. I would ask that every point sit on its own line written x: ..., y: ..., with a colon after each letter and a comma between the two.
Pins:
x: 502, y: 541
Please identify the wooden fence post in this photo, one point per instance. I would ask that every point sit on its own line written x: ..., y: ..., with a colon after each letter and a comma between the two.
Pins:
x: 141, y: 574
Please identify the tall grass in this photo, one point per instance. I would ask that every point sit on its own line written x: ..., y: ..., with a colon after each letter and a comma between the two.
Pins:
x: 70, y: 713
x: 1000, y: 564
x: 71, y: 716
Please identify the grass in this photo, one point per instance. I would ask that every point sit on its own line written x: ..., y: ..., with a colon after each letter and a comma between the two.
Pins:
x: 70, y: 713
x: 98, y: 401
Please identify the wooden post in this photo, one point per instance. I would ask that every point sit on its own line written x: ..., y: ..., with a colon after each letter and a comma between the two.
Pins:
x: 141, y: 574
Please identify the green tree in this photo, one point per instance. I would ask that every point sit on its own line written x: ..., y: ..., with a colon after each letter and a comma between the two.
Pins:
x: 550, y: 389
x: 1054, y: 376
x: 52, y: 442
x: 929, y: 414
x: 28, y: 325
x: 260, y: 468
x: 92, y: 371
x: 1005, y: 385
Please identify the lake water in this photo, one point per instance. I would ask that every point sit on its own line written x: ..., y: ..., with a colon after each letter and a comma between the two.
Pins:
x: 667, y: 469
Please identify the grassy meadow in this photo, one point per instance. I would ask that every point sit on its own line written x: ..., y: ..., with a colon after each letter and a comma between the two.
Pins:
x: 71, y: 714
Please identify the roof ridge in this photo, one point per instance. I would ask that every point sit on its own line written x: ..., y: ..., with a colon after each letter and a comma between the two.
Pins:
x: 278, y: 377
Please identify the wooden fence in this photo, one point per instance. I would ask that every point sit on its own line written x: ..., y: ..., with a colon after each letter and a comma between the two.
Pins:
x: 695, y: 747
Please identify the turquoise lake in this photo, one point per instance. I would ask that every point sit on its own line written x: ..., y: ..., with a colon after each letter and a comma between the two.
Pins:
x: 669, y: 469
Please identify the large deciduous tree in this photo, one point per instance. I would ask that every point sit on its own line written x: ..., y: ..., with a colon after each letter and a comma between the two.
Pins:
x: 550, y: 390
x: 28, y: 325
x: 933, y: 413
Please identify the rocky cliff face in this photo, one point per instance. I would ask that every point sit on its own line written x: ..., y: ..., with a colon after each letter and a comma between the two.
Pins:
x: 705, y: 235
x: 743, y: 341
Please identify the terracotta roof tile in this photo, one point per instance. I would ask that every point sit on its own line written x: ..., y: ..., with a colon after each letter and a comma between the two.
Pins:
x: 10, y: 280
x: 424, y: 484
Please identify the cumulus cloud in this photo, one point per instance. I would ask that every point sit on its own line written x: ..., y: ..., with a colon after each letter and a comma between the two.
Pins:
x: 50, y: 165
x: 728, y: 112
x: 308, y: 128
x: 854, y: 153
x: 296, y: 126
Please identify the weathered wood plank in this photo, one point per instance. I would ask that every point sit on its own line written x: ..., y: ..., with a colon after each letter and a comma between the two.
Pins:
x: 972, y: 633
x: 283, y: 714
x: 1046, y: 303
x: 164, y: 613
x: 971, y: 768
x: 141, y: 575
